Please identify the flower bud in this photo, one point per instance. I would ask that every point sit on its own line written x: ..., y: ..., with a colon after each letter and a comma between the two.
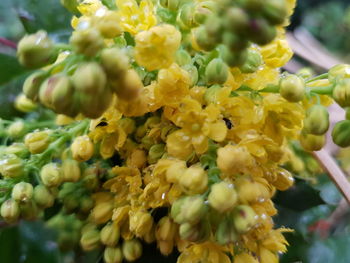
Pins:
x: 292, y: 88
x: 29, y: 210
x: 166, y: 229
x: 87, y: 41
x: 137, y: 159
x: 202, y: 39
x: 16, y: 129
x: 70, y: 5
x: 244, y: 257
x: 43, y: 197
x: 195, y: 233
x: 189, y: 209
x: 172, y: 5
x: 185, y: 15
x: 261, y: 32
x: 132, y: 249
x: 70, y: 171
x: 341, y: 93
x: 89, y: 78
x: 71, y: 203
x: 114, y: 62
x: 90, y: 179
x: 23, y: 104
x: 216, y: 71
x: 244, y: 218
x: 11, y: 166
x: 306, y: 73
x: 222, y: 197
x: 140, y: 223
x: 110, y: 235
x: 86, y: 204
x: 108, y: 24
x: 165, y: 247
x: 175, y: 171
x: 341, y: 133
x: 234, y: 43
x: 275, y: 11
x: 284, y: 179
x: 90, y: 239
x: 213, y: 26
x: 312, y: 142
x: 226, y: 233
x: 18, y: 149
x: 317, y: 120
x: 22, y: 192
x: 32, y: 85
x: 233, y: 59
x: 129, y: 86
x: 9, y: 211
x: 236, y: 20
x: 182, y: 57
x: 113, y: 255
x: 51, y: 175
x: 82, y: 148
x: 203, y: 10
x: 194, y: 180
x: 36, y: 50
x: 37, y: 142
x: 92, y: 106
x: 102, y: 212
x: 155, y: 153
x: 339, y: 72
x: 252, y: 63
x: 193, y: 73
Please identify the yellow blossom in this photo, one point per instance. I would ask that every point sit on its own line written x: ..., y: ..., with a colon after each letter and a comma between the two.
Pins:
x: 277, y: 53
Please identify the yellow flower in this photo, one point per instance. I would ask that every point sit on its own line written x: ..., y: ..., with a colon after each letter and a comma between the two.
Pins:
x: 89, y: 7
x: 244, y: 258
x: 173, y: 85
x: 275, y: 241
x: 277, y: 53
x: 266, y: 256
x: 206, y: 252
x: 155, y: 48
x: 135, y: 18
x: 197, y: 126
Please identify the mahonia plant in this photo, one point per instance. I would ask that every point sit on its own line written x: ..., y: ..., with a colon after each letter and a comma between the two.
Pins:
x: 174, y: 122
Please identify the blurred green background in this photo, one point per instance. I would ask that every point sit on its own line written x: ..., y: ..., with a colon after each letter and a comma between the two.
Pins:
x: 300, y: 208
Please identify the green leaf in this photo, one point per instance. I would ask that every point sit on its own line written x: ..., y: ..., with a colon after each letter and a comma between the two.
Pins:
x: 10, y: 68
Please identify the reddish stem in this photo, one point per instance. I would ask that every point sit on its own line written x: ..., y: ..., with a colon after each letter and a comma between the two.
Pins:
x: 8, y: 43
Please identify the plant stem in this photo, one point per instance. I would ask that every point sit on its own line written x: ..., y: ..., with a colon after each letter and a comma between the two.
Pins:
x: 322, y: 76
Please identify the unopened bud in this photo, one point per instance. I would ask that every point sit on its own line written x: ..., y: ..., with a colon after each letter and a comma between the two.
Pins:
x: 165, y: 247
x: 317, y: 120
x: 110, y: 235
x: 11, y: 166
x: 189, y: 209
x: 87, y: 41
x: 90, y: 239
x: 166, y: 229
x: 216, y: 71
x: 261, y: 32
x: 284, y: 179
x: 43, y: 197
x: 29, y: 210
x: 10, y: 210
x: 86, y: 204
x: 312, y: 142
x: 36, y: 50
x: 339, y: 72
x: 90, y: 179
x: 132, y: 249
x: 213, y: 26
x: 155, y: 153
x: 175, y: 171
x: 37, y: 142
x: 32, y: 85
x: 244, y: 218
x: 185, y: 15
x: 22, y: 192
x: 70, y: 5
x: 252, y: 63
x: 23, y: 104
x: 113, y: 255
x: 202, y: 39
x: 292, y: 88
x: 102, y: 212
x: 16, y: 129
x: 237, y: 20
x: 71, y: 203
x: 114, y: 61
x: 89, y: 78
x: 18, y: 149
x: 306, y: 73
x: 82, y: 148
x: 233, y: 59
x: 194, y: 180
x: 275, y: 11
x: 108, y: 24
x: 341, y: 93
x: 51, y: 175
x: 234, y: 43
x: 129, y: 86
x: 222, y: 197
x: 195, y: 233
x: 182, y: 57
x: 226, y: 232
x: 341, y: 133
x: 140, y: 223
x: 70, y: 170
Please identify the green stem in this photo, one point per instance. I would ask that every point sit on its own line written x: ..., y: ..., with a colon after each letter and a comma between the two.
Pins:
x: 327, y: 90
x: 322, y: 76
x: 271, y: 89
x: 63, y: 47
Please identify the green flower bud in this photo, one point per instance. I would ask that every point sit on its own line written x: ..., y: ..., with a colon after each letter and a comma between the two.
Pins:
x: 189, y: 209
x: 51, y: 175
x: 341, y: 93
x: 132, y: 249
x: 9, y: 211
x: 18, y: 149
x: 23, y: 104
x: 90, y: 179
x: 70, y: 170
x: 166, y: 229
x: 108, y: 24
x: 114, y: 62
x: 172, y: 5
x: 244, y: 218
x: 11, y: 166
x: 214, y: 27
x: 70, y: 5
x: 193, y: 72
x: 71, y: 203
x: 155, y: 153
x: 292, y: 88
x: 260, y: 32
x: 253, y: 62
x: 312, y: 142
x: 29, y: 210
x: 236, y: 20
x: 22, y: 192
x: 185, y: 15
x: 87, y: 41
x: 82, y: 148
x: 339, y: 72
x: 89, y: 78
x: 222, y: 197
x: 37, y: 142
x: 93, y: 106
x: 17, y: 129
x: 195, y: 233
x: 43, y: 197
x: 36, y: 50
x: 216, y: 71
x: 317, y: 120
x: 32, y: 85
x: 102, y: 212
x: 306, y: 73
x: 90, y: 239
x: 233, y: 59
x: 210, y: 95
x: 203, y: 40
x: 203, y: 10
x: 110, y: 235
x: 113, y: 255
x: 234, y: 43
x: 341, y: 133
x: 226, y: 233
x: 86, y: 204
x: 194, y: 180
x: 275, y: 11
x: 182, y: 57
